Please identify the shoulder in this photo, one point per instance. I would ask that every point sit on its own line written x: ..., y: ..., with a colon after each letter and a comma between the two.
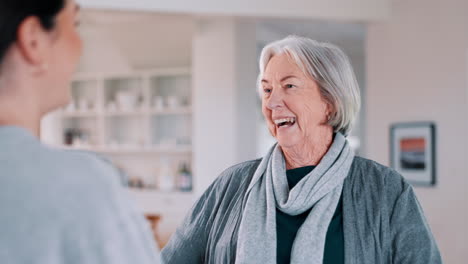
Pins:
x: 377, y: 197
x: 74, y: 176
x: 73, y: 197
x: 236, y: 177
x: 370, y: 166
x: 239, y: 171
x: 374, y: 172
x: 370, y: 176
x: 38, y: 165
x: 85, y: 165
x: 223, y: 196
x: 232, y: 183
x: 53, y: 186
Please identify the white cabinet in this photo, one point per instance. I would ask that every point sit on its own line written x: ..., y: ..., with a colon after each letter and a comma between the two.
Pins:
x: 140, y: 120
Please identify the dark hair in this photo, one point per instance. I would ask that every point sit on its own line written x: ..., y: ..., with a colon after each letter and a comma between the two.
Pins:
x: 13, y: 12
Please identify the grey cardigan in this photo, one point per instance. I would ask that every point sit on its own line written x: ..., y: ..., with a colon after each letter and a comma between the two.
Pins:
x: 382, y: 219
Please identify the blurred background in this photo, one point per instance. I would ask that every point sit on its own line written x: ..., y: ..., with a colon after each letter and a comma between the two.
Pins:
x: 167, y: 91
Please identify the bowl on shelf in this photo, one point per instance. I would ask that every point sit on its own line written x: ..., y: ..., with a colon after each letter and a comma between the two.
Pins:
x: 158, y: 103
x: 173, y: 102
x: 126, y: 100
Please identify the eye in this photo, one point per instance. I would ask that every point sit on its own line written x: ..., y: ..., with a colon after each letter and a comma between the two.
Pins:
x: 290, y: 86
x: 267, y: 90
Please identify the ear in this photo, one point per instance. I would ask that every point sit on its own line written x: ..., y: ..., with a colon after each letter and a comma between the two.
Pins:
x: 32, y: 41
x: 330, y: 110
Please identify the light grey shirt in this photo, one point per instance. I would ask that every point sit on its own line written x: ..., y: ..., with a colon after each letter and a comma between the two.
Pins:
x: 60, y: 206
x: 383, y: 221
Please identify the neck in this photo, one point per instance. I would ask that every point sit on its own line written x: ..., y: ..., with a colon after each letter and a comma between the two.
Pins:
x: 13, y: 116
x: 309, y: 153
x: 19, y: 97
x: 20, y: 110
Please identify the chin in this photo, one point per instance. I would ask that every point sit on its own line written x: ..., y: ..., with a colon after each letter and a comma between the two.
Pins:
x: 286, y: 142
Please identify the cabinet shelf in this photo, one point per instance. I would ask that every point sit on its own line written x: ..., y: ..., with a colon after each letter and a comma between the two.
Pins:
x: 146, y: 191
x: 174, y: 111
x: 133, y: 150
x: 141, y: 120
x: 78, y: 114
x: 125, y: 113
x: 140, y: 112
x: 153, y: 150
x: 136, y: 112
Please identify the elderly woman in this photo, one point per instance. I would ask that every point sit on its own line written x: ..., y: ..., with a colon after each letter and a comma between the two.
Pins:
x: 310, y: 199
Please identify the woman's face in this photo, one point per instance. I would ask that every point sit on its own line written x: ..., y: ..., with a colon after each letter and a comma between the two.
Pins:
x: 65, y: 51
x: 291, y: 103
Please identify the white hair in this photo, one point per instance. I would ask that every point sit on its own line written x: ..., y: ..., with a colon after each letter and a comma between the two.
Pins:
x: 329, y: 67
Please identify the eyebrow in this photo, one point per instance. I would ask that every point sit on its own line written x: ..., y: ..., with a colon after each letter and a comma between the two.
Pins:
x: 282, y: 79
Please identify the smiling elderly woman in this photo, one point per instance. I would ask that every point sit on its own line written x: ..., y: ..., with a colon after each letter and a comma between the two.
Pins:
x: 310, y: 199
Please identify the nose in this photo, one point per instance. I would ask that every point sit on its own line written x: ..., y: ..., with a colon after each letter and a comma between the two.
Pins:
x: 275, y: 100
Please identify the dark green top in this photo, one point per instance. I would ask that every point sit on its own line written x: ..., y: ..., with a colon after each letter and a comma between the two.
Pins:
x: 287, y: 227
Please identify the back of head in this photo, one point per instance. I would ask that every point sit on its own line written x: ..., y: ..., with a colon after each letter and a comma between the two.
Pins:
x: 39, y: 50
x: 13, y: 12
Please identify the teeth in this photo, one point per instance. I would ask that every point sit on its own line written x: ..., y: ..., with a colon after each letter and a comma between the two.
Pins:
x: 282, y: 120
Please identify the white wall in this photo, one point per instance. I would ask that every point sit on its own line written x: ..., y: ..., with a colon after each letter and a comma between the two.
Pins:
x: 326, y: 9
x: 223, y: 95
x: 417, y: 70
x: 247, y: 97
x: 213, y: 100
x: 115, y: 40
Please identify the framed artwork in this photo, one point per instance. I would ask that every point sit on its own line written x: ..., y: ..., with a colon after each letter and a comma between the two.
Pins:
x: 413, y: 152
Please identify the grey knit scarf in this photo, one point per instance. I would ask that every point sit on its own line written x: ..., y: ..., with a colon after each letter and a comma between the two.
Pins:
x: 268, y: 190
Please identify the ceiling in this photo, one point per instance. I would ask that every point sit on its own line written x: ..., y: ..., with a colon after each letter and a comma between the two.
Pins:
x: 349, y: 36
x: 148, y: 39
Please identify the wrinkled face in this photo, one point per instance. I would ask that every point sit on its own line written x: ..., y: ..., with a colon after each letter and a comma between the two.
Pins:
x: 291, y: 102
x: 65, y: 51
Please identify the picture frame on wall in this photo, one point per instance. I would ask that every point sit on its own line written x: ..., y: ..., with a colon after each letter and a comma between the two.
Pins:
x: 413, y: 152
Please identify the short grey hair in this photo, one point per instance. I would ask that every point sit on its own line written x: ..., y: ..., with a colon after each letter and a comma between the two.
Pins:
x: 329, y: 66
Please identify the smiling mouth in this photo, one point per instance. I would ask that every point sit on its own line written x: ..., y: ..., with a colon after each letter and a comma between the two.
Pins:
x: 285, y: 122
